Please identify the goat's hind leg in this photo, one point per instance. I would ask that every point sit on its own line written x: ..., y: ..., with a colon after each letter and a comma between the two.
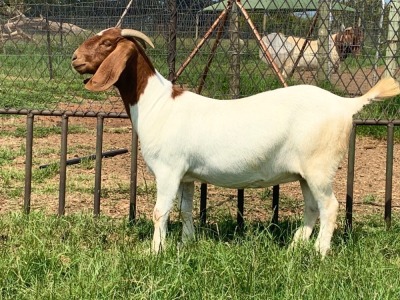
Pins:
x: 311, y: 214
x: 328, y: 209
x: 185, y: 206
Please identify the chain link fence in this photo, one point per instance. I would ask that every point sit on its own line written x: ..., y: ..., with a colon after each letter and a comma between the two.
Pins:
x: 37, y: 41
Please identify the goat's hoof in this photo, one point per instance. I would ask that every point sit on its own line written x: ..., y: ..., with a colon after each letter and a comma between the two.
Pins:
x: 323, y: 251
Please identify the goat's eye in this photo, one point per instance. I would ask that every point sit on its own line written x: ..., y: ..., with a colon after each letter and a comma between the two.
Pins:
x: 107, y: 43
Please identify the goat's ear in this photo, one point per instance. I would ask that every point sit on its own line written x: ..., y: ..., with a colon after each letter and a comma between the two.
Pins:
x: 111, y: 68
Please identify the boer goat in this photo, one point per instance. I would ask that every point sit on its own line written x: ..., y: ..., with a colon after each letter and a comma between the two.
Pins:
x: 288, y: 134
x: 286, y: 49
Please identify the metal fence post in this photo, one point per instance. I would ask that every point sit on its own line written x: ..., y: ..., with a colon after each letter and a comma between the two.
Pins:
x: 63, y: 165
x: 275, y: 204
x: 240, y: 209
x: 99, y: 150
x: 350, y: 180
x: 389, y: 175
x: 203, y: 204
x: 133, y: 182
x: 28, y: 163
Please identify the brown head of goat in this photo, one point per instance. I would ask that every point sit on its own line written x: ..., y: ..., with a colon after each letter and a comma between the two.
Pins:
x: 115, y: 55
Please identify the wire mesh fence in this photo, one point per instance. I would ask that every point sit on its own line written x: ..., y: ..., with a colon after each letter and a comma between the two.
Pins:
x: 345, y: 46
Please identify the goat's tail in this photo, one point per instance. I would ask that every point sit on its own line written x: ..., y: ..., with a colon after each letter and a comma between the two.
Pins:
x: 385, y: 88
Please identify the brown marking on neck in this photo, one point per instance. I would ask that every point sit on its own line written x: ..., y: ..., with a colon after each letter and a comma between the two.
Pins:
x: 176, y: 91
x: 133, y: 80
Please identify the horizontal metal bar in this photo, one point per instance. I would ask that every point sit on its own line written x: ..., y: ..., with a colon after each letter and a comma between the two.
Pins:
x: 91, y: 114
x: 77, y: 160
x: 377, y: 122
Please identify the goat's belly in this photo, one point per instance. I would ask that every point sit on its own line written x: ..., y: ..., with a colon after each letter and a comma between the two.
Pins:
x: 239, y: 181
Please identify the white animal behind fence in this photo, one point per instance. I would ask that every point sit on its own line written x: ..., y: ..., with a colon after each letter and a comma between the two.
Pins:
x: 285, y: 50
x: 288, y: 134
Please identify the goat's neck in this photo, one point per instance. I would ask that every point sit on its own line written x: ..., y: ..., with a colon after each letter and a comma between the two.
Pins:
x: 151, y: 113
x: 133, y: 80
x: 145, y: 93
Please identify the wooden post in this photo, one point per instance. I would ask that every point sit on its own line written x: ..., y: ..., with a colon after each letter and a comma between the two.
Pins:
x: 172, y: 38
x: 234, y: 85
x: 323, y: 42
x: 197, y: 26
x: 392, y: 38
x: 264, y: 23
x: 376, y: 75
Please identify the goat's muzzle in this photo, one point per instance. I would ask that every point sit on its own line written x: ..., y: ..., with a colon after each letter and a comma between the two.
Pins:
x: 78, y: 64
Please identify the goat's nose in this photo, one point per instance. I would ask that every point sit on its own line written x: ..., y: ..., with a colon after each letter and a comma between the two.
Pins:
x: 74, y: 56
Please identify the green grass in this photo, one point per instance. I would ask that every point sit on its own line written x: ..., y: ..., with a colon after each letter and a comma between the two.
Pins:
x: 11, y: 180
x: 40, y: 131
x: 28, y: 81
x: 80, y: 257
x: 7, y: 155
x: 378, y: 132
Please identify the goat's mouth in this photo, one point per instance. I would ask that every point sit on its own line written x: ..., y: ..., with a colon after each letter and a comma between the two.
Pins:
x: 80, y: 68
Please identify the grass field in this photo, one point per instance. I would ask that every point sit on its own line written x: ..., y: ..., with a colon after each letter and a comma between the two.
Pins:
x: 81, y: 257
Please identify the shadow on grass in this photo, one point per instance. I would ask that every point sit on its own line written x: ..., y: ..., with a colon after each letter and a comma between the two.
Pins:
x: 225, y: 229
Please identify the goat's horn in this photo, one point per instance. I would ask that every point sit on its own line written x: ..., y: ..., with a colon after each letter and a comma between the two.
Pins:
x: 137, y: 34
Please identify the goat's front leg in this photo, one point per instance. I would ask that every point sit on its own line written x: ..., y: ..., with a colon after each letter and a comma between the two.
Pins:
x: 166, y: 193
x: 185, y: 206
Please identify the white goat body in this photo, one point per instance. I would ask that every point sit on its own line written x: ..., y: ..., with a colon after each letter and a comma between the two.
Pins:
x: 228, y: 142
x: 295, y: 133
x: 286, y: 49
